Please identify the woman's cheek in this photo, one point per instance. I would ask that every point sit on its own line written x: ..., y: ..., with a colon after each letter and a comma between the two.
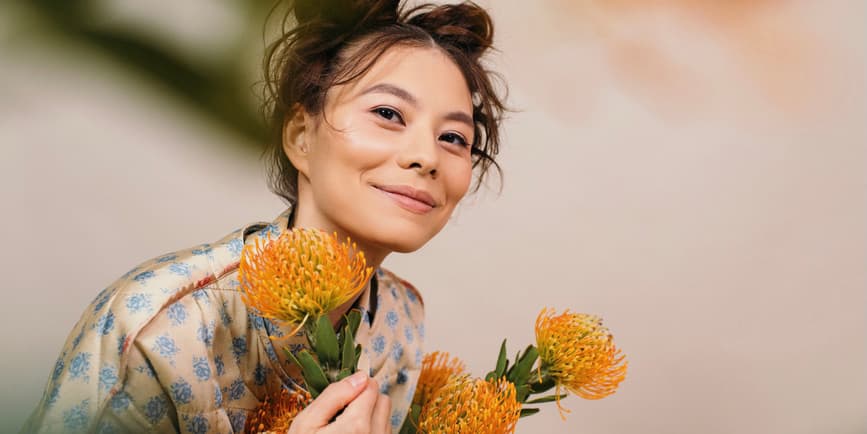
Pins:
x: 366, y: 144
x: 461, y: 183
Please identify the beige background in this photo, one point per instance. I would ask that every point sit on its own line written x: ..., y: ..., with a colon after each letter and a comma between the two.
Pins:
x: 694, y: 172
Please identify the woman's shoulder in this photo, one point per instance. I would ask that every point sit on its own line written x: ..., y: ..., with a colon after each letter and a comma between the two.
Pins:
x: 165, y: 298
x: 155, y: 287
x: 158, y: 282
x: 388, y: 279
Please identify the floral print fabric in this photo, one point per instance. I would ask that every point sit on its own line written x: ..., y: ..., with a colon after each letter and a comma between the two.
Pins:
x: 171, y: 347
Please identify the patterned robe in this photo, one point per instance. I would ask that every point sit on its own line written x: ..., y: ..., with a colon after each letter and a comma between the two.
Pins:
x: 170, y: 347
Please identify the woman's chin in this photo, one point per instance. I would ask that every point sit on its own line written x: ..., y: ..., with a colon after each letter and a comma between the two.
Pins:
x: 403, y: 248
x: 403, y: 244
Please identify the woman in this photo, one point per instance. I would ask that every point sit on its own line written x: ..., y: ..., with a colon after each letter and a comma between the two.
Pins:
x: 380, y: 118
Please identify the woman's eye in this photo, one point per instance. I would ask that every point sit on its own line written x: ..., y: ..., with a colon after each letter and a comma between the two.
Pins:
x: 388, y: 114
x: 453, y: 138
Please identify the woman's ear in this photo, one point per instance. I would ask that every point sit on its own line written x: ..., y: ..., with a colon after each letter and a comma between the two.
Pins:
x: 296, y: 132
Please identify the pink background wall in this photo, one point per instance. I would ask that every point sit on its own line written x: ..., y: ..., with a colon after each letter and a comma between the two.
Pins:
x: 694, y: 172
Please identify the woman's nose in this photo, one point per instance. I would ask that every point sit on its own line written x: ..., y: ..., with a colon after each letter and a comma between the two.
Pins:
x: 420, y: 153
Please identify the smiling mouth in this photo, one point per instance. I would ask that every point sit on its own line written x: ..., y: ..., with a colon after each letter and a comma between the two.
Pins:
x: 412, y: 204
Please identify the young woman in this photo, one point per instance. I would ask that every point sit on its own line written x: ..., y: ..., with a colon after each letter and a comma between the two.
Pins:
x: 381, y: 117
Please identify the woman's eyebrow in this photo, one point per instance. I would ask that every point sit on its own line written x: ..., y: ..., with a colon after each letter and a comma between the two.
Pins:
x: 457, y: 116
x: 393, y: 90
x: 460, y: 117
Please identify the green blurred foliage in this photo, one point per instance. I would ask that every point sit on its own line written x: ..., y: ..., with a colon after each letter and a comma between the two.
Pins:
x: 222, y: 90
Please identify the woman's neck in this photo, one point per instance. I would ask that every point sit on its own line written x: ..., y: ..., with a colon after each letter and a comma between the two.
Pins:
x: 302, y: 217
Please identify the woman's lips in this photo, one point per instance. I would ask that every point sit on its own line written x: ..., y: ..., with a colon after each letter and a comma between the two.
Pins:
x: 412, y: 205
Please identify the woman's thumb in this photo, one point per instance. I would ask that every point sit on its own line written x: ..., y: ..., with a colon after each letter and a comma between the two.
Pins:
x: 333, y: 399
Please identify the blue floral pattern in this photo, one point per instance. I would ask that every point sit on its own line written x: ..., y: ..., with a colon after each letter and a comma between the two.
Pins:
x: 396, y: 351
x: 138, y: 302
x: 58, y: 368
x: 76, y: 418
x: 201, y: 368
x: 166, y: 347
x: 166, y: 258
x: 218, y: 363
x: 408, y: 333
x: 205, y: 333
x: 102, y: 299
x: 391, y: 319
x: 79, y: 367
x: 120, y: 401
x: 236, y: 389
x: 52, y: 396
x: 224, y: 313
x: 239, y: 347
x: 237, y: 419
x: 77, y: 339
x: 181, y: 269
x: 105, y: 323
x: 182, y: 392
x: 177, y: 313
x: 107, y: 377
x: 260, y: 374
x: 144, y: 276
x: 218, y: 397
x: 402, y: 376
x: 156, y: 409
x: 378, y: 344
x: 198, y: 425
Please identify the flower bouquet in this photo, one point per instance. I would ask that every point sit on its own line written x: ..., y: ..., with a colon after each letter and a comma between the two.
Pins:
x: 305, y: 274
x: 572, y: 352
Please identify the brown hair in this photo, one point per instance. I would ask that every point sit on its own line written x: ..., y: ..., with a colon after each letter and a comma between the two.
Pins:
x: 311, y: 56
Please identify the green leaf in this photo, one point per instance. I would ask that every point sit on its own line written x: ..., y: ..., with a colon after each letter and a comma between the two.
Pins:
x: 357, y: 356
x: 348, y: 359
x: 501, y: 361
x: 326, y: 343
x: 522, y: 392
x: 353, y: 320
x: 510, y: 373
x: 345, y: 372
x: 548, y: 398
x: 524, y: 365
x: 411, y: 422
x: 313, y: 374
x: 528, y: 411
x: 292, y: 357
x: 544, y: 386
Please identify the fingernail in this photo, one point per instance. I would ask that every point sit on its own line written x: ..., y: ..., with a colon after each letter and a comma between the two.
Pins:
x: 357, y: 379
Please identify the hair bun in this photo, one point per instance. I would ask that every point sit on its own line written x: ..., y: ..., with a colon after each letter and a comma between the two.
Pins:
x: 465, y: 25
x: 346, y: 16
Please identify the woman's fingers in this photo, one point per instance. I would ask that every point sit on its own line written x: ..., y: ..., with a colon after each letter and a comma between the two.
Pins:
x: 361, y: 409
x: 380, y: 422
x: 333, y: 399
x: 356, y: 419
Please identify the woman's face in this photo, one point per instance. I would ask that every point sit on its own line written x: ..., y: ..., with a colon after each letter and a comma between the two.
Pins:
x: 391, y: 159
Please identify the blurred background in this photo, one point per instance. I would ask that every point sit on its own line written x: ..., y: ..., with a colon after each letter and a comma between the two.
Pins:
x: 691, y: 170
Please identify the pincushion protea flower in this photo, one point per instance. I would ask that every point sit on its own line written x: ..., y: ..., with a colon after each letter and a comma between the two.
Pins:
x: 578, y: 353
x: 303, y: 274
x: 436, y: 369
x: 468, y: 405
x: 277, y: 411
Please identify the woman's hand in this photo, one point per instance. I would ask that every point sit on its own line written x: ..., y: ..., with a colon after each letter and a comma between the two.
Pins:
x: 366, y: 410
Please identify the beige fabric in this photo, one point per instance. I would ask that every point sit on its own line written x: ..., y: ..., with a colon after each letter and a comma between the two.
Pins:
x: 171, y: 347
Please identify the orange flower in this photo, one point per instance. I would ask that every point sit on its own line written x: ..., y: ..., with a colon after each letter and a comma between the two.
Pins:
x: 305, y: 273
x: 471, y: 406
x: 579, y: 354
x: 436, y: 368
x: 277, y: 411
